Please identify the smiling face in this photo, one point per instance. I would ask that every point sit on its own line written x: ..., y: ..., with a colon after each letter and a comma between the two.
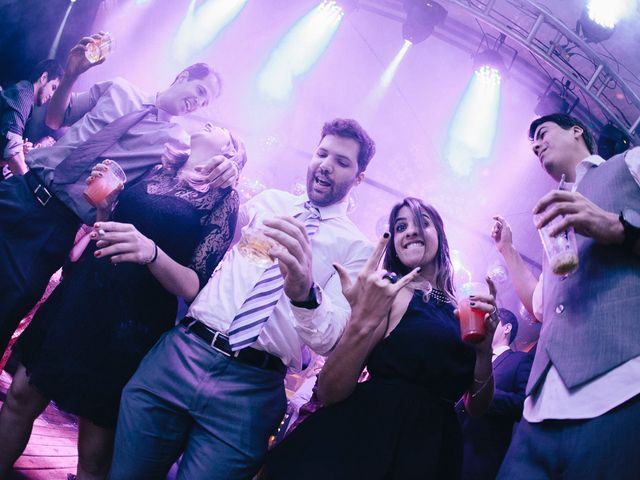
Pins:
x: 185, y: 96
x: 416, y: 245
x: 333, y: 170
x: 559, y: 150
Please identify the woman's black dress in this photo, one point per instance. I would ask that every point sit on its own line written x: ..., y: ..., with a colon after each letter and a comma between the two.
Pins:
x: 400, y: 424
x: 88, y: 338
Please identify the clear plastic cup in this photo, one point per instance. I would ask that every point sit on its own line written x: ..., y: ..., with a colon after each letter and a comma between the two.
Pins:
x: 561, y: 250
x: 472, y: 326
x: 255, y: 245
x: 99, y: 48
x: 101, y: 187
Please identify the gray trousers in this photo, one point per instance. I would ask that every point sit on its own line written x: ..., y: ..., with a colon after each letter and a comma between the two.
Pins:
x: 600, y: 448
x: 188, y: 397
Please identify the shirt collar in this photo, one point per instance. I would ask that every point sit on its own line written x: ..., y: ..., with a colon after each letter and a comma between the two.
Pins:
x: 334, y: 210
x: 583, y: 167
x: 499, y: 351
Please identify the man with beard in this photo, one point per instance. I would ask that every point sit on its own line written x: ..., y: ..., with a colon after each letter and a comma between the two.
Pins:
x: 213, y: 386
x: 16, y: 104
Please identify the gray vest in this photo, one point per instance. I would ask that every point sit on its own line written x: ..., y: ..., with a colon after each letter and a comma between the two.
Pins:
x: 592, y: 317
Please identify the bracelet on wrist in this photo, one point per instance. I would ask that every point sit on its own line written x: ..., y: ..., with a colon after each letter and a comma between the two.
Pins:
x: 155, y: 255
x: 483, y: 385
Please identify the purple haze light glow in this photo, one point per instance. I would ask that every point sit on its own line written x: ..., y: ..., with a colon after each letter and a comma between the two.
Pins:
x: 201, y: 26
x: 388, y: 75
x: 607, y: 13
x: 473, y: 129
x: 299, y: 50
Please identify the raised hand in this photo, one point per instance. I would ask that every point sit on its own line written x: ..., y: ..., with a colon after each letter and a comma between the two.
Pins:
x: 501, y: 233
x: 486, y: 303
x: 77, y: 62
x: 372, y: 294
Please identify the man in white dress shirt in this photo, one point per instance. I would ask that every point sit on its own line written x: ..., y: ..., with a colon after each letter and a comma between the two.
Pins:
x: 195, y: 391
x: 583, y: 396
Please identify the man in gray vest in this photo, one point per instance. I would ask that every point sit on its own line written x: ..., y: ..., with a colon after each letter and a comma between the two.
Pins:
x: 583, y: 397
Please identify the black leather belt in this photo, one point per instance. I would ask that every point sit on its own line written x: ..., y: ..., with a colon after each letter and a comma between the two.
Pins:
x: 45, y: 197
x: 220, y: 342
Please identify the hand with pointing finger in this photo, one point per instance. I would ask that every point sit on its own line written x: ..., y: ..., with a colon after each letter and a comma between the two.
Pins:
x: 373, y: 292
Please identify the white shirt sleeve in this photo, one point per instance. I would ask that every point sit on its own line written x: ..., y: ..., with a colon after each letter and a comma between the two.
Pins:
x: 632, y: 158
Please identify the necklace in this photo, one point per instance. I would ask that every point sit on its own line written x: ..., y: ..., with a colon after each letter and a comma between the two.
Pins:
x: 428, y: 291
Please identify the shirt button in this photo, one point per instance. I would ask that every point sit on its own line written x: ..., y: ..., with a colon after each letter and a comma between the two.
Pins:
x: 559, y: 309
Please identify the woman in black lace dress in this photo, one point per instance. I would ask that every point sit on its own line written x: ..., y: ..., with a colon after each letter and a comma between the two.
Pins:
x: 400, y: 424
x: 167, y: 234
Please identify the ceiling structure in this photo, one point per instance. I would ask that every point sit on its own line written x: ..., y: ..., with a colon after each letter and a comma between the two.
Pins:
x: 411, y: 122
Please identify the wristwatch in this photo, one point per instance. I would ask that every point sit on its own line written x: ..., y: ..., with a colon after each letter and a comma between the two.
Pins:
x: 630, y: 220
x: 313, y: 300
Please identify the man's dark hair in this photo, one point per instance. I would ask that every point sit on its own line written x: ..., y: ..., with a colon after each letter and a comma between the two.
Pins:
x: 507, y: 317
x: 348, y: 128
x: 565, y: 121
x: 52, y: 67
x: 200, y: 71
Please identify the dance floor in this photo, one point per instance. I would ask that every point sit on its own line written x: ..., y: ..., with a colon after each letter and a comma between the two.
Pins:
x: 51, y: 453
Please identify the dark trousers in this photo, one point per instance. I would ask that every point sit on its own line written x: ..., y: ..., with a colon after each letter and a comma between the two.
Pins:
x: 34, y: 242
x: 599, y: 448
x: 188, y: 397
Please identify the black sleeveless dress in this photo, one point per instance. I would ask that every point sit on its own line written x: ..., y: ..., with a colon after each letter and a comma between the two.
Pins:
x: 400, y: 424
x: 88, y: 338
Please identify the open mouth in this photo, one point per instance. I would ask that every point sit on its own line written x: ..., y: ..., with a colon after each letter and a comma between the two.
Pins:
x: 322, y: 182
x: 414, y: 244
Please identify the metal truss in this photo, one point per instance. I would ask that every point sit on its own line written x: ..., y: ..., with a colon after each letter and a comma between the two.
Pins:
x: 532, y: 27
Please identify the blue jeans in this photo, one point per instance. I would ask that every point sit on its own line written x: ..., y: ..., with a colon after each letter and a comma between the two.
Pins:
x: 188, y: 396
x: 603, y: 447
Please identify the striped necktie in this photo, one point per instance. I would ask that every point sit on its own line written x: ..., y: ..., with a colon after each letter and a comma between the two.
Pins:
x: 86, y: 154
x: 257, y: 308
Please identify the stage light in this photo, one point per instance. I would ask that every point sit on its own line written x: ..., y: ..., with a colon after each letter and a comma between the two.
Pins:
x: 299, y: 50
x: 607, y: 13
x: 612, y: 141
x: 557, y: 98
x: 489, y: 66
x: 599, y: 18
x: 201, y: 26
x: 387, y: 76
x: 422, y: 18
x: 473, y: 129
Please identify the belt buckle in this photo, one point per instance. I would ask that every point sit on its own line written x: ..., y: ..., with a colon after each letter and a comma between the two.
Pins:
x: 42, y: 188
x: 212, y: 344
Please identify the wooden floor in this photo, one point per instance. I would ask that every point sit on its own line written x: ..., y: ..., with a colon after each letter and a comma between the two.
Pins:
x: 52, y: 452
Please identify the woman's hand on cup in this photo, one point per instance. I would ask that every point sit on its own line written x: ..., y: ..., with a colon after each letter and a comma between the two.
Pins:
x: 122, y: 242
x: 487, y: 304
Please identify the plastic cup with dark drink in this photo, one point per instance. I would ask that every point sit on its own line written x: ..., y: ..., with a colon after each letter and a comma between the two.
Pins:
x: 472, y: 325
x: 101, y: 187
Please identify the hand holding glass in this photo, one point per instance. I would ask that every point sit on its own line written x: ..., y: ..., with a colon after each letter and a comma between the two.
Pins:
x: 472, y: 325
x: 255, y: 245
x: 99, y: 48
x: 103, y: 186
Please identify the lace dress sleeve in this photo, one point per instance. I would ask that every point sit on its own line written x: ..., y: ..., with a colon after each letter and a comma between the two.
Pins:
x: 218, y: 228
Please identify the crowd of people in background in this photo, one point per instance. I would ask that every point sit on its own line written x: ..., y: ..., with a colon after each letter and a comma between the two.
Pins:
x: 401, y: 394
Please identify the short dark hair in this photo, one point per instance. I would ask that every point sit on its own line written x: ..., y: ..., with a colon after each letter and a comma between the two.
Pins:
x: 507, y: 317
x: 349, y: 128
x: 565, y: 121
x: 200, y: 71
x: 444, y: 267
x: 52, y: 67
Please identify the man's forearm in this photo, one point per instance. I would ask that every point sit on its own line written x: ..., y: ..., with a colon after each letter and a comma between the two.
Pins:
x: 60, y: 102
x: 523, y: 280
x: 17, y: 164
